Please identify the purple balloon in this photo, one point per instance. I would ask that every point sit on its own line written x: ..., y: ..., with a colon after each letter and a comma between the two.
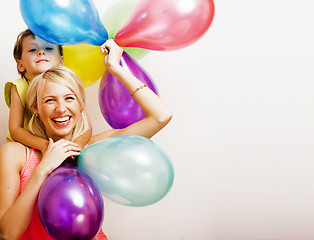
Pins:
x: 70, y: 206
x: 116, y: 104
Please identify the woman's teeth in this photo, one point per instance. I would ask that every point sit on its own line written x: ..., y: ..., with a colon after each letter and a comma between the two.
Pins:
x: 61, y: 120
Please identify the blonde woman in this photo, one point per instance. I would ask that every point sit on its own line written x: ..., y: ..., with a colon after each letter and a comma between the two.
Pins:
x: 56, y: 98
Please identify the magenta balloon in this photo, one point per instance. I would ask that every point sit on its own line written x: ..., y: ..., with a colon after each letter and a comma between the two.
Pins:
x: 70, y: 206
x: 166, y: 24
x: 116, y: 104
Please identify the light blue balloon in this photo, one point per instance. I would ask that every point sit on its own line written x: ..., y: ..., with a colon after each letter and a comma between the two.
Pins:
x: 129, y: 170
x: 64, y: 22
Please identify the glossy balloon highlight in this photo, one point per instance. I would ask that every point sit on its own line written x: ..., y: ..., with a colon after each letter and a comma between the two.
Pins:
x: 166, y: 25
x: 70, y: 206
x: 65, y: 22
x: 129, y: 170
x: 116, y: 104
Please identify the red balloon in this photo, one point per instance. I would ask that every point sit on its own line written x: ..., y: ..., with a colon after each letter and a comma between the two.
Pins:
x: 166, y: 24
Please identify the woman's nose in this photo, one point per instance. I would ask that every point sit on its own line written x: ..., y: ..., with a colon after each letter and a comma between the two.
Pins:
x: 61, y: 107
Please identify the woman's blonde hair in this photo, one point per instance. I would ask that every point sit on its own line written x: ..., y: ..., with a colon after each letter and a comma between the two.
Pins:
x: 59, y: 75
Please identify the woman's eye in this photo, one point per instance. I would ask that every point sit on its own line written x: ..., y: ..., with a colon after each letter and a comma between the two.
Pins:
x: 48, y: 100
x: 69, y: 98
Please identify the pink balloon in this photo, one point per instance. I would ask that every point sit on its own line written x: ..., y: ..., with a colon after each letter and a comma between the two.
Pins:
x: 166, y: 24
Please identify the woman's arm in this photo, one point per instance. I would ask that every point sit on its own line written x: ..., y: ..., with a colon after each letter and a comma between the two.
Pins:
x: 156, y: 111
x: 16, y: 125
x: 16, y: 210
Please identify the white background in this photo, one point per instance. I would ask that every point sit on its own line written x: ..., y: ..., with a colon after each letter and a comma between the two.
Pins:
x: 241, y: 139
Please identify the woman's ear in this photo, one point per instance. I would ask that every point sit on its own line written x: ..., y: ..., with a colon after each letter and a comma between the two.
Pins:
x: 34, y: 108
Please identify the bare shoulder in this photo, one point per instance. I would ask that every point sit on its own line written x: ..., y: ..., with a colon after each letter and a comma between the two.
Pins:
x: 12, y: 159
x: 13, y: 154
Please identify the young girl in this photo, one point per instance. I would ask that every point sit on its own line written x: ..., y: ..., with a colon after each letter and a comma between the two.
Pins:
x: 58, y: 94
x: 33, y: 56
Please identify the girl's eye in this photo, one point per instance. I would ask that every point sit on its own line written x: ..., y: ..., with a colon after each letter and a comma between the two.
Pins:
x: 49, y: 48
x: 32, y: 50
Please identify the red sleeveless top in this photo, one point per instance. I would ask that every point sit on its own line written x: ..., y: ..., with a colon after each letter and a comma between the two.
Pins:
x: 35, y: 230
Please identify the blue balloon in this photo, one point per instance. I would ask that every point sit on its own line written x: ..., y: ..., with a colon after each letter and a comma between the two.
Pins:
x: 64, y: 22
x: 129, y: 170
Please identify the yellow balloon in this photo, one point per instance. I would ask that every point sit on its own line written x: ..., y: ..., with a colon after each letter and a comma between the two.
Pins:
x: 87, y: 61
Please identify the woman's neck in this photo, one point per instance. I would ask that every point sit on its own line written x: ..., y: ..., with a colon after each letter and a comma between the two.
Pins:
x: 57, y: 138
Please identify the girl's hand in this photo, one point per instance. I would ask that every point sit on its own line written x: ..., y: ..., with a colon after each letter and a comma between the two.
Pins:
x: 56, y: 153
x: 113, y: 54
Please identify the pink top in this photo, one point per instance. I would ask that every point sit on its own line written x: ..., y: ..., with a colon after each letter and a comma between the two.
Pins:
x: 35, y: 230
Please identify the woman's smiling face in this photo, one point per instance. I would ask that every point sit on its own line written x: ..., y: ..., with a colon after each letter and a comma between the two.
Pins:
x: 59, y: 110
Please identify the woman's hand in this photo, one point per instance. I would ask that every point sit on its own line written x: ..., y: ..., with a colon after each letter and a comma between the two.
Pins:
x: 113, y: 54
x: 56, y: 153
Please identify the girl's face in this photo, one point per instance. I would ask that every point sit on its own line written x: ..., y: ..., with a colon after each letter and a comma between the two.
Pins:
x: 38, y: 56
x: 59, y: 110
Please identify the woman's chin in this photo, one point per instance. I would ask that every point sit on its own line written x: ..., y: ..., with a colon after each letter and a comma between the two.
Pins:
x: 60, y: 134
x: 61, y: 130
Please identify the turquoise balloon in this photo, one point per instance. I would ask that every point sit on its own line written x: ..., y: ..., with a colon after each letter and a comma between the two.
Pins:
x: 129, y: 170
x: 64, y: 22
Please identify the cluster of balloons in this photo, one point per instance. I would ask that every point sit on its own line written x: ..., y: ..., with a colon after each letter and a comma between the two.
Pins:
x: 135, y: 25
x: 129, y: 170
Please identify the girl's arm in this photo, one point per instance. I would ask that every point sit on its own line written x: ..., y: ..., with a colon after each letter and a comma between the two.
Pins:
x: 16, y: 125
x: 156, y: 111
x: 16, y: 210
